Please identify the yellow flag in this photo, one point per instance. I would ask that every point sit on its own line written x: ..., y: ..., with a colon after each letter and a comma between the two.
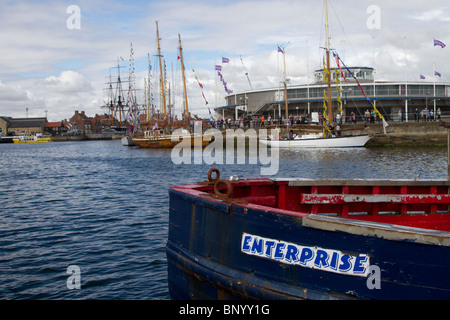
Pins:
x: 325, y: 66
x: 325, y: 111
x: 378, y: 112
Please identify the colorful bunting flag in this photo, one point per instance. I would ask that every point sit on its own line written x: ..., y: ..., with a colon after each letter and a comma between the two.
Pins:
x: 228, y: 91
x: 201, y: 86
x: 225, y: 60
x: 362, y: 90
x: 439, y: 43
x: 336, y: 57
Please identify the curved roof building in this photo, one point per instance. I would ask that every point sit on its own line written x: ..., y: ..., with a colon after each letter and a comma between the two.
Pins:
x: 392, y: 99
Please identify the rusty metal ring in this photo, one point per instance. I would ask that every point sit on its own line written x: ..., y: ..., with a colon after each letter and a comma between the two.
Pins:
x: 210, y: 172
x: 228, y: 185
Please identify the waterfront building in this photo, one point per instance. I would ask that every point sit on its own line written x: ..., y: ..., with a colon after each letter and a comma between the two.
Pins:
x: 397, y: 101
x: 56, y: 128
x: 27, y: 126
x: 82, y: 121
x: 104, y: 122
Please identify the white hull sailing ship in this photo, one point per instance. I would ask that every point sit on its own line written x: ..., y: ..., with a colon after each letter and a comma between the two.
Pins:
x: 319, y: 142
x: 326, y: 139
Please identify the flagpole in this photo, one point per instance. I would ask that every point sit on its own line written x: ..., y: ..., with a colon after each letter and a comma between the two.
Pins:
x: 285, y: 89
x: 307, y: 77
x: 330, y: 110
x: 434, y: 89
x: 217, y: 88
x: 406, y: 83
x: 188, y: 117
x: 163, y: 94
x: 434, y: 77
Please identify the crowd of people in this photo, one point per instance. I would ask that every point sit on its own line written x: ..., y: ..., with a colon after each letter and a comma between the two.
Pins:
x: 369, y: 116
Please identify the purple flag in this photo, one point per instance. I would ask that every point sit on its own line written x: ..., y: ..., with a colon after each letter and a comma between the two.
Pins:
x: 280, y: 50
x: 218, y: 68
x: 225, y: 60
x: 437, y: 74
x: 422, y: 77
x: 439, y: 43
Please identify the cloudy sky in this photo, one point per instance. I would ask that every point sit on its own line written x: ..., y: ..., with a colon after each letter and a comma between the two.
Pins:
x: 55, y: 61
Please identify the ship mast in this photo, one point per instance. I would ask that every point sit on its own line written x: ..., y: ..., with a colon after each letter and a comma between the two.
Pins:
x: 161, y: 72
x: 285, y: 90
x: 184, y: 84
x: 327, y: 44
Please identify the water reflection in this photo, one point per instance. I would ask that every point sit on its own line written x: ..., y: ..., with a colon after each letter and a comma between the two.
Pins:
x: 365, y: 163
x: 104, y: 207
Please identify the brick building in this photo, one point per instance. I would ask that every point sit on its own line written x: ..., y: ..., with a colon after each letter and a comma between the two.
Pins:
x: 56, y: 128
x: 82, y: 121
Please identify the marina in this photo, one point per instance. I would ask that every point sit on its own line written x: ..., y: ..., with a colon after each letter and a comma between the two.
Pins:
x: 137, y: 167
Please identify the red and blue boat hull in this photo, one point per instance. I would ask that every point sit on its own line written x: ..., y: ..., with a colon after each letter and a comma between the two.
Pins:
x: 234, y: 249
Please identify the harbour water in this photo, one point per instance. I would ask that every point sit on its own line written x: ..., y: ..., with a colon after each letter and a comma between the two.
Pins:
x: 103, y: 207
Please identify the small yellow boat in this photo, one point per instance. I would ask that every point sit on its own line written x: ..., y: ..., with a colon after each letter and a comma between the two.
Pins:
x: 37, y: 138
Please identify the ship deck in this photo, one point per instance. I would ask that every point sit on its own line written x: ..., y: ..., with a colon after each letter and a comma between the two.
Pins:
x: 410, y: 203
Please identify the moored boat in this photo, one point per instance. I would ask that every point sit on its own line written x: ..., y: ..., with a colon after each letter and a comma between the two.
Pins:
x: 127, y: 141
x: 152, y: 139
x: 6, y: 139
x: 37, y: 138
x: 309, y: 239
x: 159, y: 138
x: 318, y: 142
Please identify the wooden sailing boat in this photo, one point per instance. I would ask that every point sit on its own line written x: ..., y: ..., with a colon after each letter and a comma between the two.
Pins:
x: 326, y: 139
x: 159, y: 139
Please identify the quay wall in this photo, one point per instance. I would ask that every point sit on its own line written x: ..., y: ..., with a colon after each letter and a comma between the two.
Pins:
x: 89, y: 136
x: 406, y: 134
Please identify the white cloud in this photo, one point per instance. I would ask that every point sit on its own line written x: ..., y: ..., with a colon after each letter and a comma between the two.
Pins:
x: 69, y: 82
x: 12, y: 93
x: 433, y: 15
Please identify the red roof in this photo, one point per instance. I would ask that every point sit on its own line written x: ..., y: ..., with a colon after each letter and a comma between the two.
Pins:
x: 53, y: 124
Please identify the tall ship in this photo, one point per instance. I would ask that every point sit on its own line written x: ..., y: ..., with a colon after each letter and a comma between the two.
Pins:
x: 330, y: 137
x: 159, y: 137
